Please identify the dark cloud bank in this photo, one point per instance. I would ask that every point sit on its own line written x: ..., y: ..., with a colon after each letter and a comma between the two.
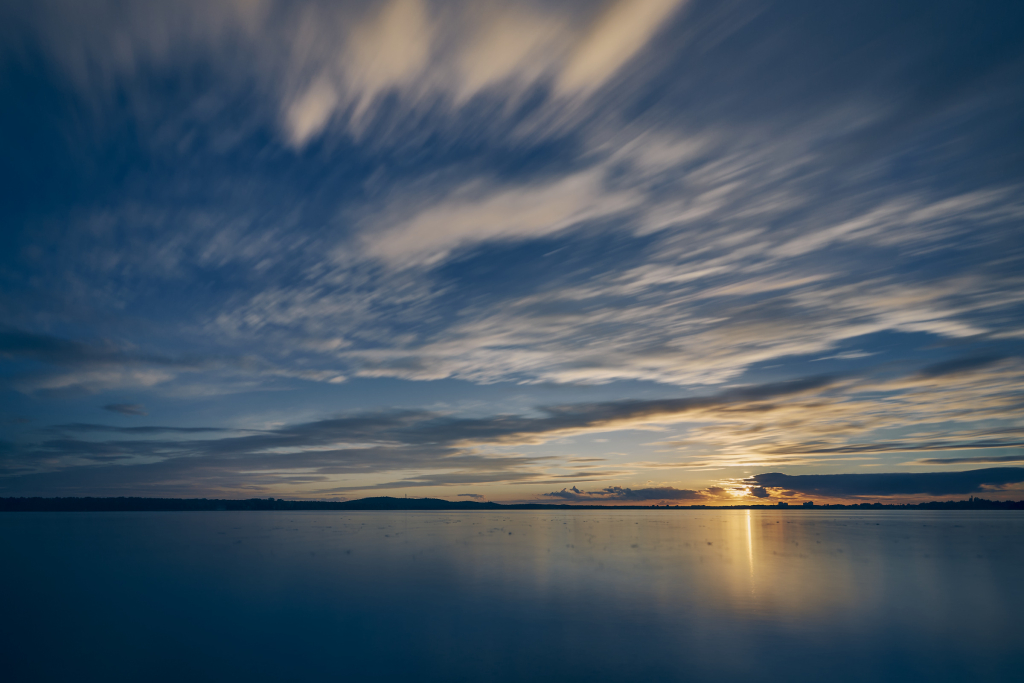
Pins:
x: 619, y: 494
x: 891, y: 483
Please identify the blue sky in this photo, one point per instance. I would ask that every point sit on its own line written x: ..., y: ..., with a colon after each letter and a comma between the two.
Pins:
x: 645, y: 250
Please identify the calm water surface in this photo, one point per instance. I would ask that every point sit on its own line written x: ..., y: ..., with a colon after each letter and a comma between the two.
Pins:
x: 520, y: 596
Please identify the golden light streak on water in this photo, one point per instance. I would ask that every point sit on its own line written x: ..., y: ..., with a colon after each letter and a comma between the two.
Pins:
x: 750, y: 551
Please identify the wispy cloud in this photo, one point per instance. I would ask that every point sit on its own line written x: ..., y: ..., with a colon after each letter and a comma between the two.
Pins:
x: 339, y: 61
x: 973, y: 460
x: 64, y: 367
x: 739, y: 426
x: 892, y: 484
x: 477, y: 214
x: 719, y: 234
x: 126, y: 408
x: 614, y: 38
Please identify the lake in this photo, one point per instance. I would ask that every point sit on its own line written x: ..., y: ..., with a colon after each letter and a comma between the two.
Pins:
x: 668, y: 595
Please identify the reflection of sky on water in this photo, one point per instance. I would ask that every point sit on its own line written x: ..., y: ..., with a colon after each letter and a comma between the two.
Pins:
x: 523, y: 596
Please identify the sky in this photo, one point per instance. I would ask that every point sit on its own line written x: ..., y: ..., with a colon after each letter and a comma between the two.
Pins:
x: 636, y: 251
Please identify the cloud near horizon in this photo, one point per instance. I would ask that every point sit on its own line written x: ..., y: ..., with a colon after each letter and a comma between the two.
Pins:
x: 430, y: 448
x: 619, y: 494
x: 893, y: 483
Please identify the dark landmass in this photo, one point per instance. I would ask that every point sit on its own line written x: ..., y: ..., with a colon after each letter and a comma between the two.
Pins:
x: 387, y: 503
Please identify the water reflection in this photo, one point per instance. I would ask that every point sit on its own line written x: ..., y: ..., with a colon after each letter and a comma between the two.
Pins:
x: 668, y: 595
x: 750, y: 551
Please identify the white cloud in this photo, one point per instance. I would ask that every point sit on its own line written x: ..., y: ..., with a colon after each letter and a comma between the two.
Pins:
x: 622, y: 31
x: 308, y: 115
x: 510, y: 43
x: 389, y: 50
x: 313, y: 63
x: 476, y: 213
x: 738, y: 253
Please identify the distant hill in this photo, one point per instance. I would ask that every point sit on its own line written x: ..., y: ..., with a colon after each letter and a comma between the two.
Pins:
x: 388, y: 503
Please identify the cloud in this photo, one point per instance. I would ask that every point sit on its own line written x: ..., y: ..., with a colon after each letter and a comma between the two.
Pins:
x: 74, y: 366
x: 618, y: 34
x: 974, y: 460
x: 540, y: 193
x: 44, y: 348
x: 331, y: 61
x: 308, y: 115
x: 69, y: 367
x: 739, y: 426
x: 568, y: 494
x: 388, y: 50
x: 80, y: 427
x: 475, y: 214
x: 474, y: 496
x: 660, y: 315
x: 656, y: 493
x: 891, y: 484
x: 958, y: 365
x: 758, y: 491
x: 720, y: 225
x: 863, y: 418
x: 619, y: 494
x: 440, y: 449
x: 511, y: 43
x: 906, y: 446
x: 126, y: 408
x: 16, y: 343
x: 228, y: 466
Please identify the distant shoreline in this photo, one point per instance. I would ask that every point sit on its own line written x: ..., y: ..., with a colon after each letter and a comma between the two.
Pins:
x: 89, y: 504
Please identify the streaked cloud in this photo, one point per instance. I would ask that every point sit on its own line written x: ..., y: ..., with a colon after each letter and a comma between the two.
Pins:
x: 308, y: 115
x: 511, y: 43
x: 738, y: 427
x: 975, y: 460
x: 475, y: 214
x: 324, y: 61
x: 616, y: 36
x: 126, y: 408
x: 891, y: 484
